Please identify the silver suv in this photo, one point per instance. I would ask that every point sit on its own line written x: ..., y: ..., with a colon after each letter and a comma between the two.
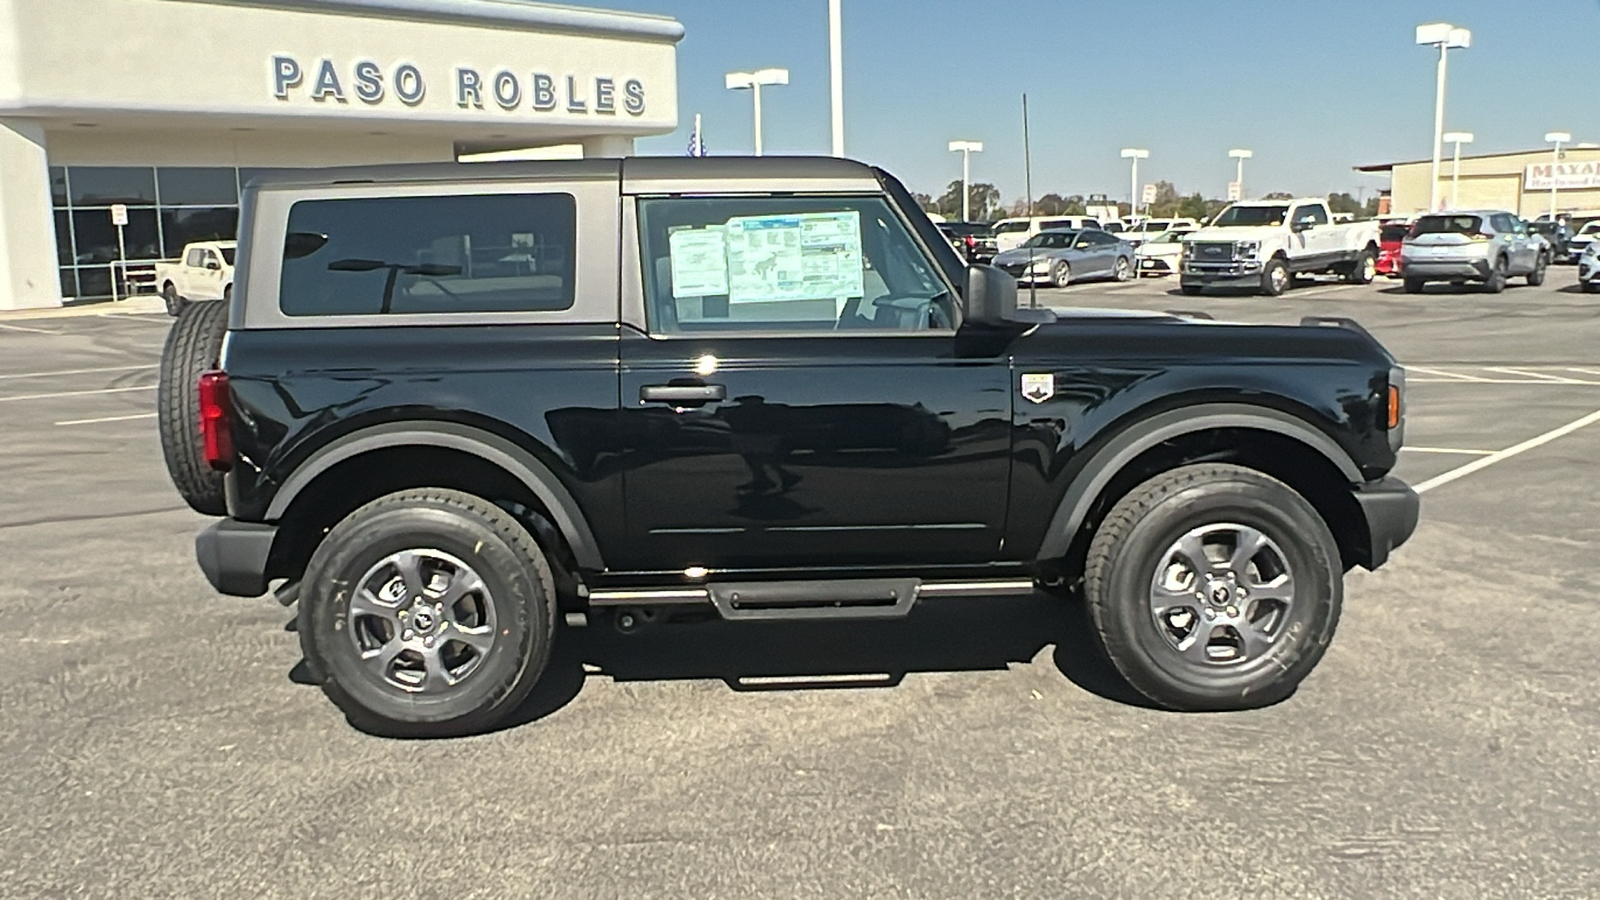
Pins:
x: 1487, y: 246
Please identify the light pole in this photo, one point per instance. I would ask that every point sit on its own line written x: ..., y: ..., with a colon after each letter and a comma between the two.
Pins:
x: 1446, y: 37
x: 1558, y: 138
x: 1241, y: 156
x: 966, y: 149
x: 1135, y: 154
x: 836, y: 71
x: 752, y: 81
x: 1458, y: 138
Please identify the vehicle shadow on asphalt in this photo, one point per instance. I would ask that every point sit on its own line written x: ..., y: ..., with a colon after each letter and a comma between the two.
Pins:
x: 939, y: 636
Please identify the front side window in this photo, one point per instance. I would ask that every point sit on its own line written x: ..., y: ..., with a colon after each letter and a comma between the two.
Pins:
x: 197, y: 258
x: 1313, y: 214
x: 802, y: 264
x: 433, y: 254
x: 1051, y: 240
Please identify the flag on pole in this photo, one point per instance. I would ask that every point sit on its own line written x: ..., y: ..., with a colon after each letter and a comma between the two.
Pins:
x: 697, y: 145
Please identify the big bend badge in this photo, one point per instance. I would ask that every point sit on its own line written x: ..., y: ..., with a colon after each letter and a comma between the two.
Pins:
x: 1038, y: 387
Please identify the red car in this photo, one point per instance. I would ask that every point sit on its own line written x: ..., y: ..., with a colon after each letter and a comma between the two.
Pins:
x: 1390, y: 237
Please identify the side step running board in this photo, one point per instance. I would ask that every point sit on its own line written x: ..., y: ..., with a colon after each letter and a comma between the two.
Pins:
x: 875, y: 598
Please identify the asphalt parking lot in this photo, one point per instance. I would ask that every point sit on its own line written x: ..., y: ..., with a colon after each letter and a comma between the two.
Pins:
x: 157, y: 741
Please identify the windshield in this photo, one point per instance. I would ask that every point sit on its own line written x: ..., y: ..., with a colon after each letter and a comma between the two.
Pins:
x: 1052, y: 240
x: 1252, y: 215
x: 1010, y: 227
x: 1446, y: 225
x: 227, y: 255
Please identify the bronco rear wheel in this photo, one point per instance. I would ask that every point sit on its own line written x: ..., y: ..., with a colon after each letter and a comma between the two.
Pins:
x: 1214, y: 587
x: 193, y: 346
x: 427, y: 613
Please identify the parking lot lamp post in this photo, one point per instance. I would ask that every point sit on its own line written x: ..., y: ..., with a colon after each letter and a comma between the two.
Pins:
x: 1240, y: 156
x: 1135, y: 154
x: 752, y: 81
x: 1458, y: 138
x: 836, y: 73
x: 1446, y: 37
x: 966, y: 149
x: 1558, y: 138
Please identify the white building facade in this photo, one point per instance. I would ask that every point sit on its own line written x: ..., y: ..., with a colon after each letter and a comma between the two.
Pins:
x: 165, y: 107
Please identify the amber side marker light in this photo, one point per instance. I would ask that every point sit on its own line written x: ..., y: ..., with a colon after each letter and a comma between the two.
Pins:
x: 1394, y: 406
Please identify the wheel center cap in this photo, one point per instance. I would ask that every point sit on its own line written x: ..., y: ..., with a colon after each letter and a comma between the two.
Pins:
x: 1220, y: 594
x: 422, y: 620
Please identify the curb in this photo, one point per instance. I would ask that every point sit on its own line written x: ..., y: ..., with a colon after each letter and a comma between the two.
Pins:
x: 140, y: 305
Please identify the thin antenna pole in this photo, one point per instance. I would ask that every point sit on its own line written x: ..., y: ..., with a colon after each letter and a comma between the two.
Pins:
x: 1027, y: 176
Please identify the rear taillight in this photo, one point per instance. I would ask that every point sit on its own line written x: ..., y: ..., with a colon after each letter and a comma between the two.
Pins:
x: 215, y: 412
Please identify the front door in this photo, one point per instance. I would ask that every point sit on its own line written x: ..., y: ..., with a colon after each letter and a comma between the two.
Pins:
x: 800, y: 400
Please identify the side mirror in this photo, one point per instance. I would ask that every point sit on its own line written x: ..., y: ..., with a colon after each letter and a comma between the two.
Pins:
x: 213, y: 265
x: 1303, y: 225
x: 991, y: 296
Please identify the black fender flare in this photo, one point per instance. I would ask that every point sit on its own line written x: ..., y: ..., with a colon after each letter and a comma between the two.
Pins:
x: 492, y: 448
x: 1147, y: 433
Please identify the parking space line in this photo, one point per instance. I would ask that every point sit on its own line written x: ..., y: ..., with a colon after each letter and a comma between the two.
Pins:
x: 107, y: 419
x: 1556, y: 379
x: 1441, y: 372
x: 27, y: 329
x: 120, y: 390
x: 79, y: 371
x: 1503, y: 455
x: 1436, y: 450
x: 1582, y: 371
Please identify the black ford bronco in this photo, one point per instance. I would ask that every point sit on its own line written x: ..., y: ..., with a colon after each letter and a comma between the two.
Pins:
x: 458, y: 404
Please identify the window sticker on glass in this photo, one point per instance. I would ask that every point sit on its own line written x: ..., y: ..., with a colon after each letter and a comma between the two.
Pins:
x: 699, y: 262
x: 806, y: 256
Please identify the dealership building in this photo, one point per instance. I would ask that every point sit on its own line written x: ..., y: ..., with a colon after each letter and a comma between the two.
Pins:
x: 1518, y: 182
x: 157, y: 111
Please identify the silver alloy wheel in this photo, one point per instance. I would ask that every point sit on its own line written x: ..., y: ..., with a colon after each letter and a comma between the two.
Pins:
x: 1061, y: 274
x: 422, y: 621
x: 1280, y: 278
x: 1369, y: 269
x: 1221, y: 595
x: 1124, y: 270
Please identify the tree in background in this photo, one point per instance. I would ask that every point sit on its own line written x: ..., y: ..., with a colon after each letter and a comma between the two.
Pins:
x: 1057, y: 205
x: 984, y: 201
x: 1344, y: 203
x: 926, y: 201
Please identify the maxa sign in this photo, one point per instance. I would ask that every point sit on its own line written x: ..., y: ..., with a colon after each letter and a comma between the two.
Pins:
x: 1562, y: 176
x: 368, y: 83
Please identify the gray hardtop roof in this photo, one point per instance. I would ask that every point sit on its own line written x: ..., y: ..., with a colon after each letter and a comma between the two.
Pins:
x: 631, y: 169
x: 1445, y: 213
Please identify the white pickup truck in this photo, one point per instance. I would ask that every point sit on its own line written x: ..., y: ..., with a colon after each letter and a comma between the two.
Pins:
x: 204, y: 272
x: 1264, y: 244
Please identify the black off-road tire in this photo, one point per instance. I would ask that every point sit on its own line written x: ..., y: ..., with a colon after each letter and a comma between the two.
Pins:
x: 1131, y: 544
x: 1362, y: 269
x: 1496, y: 282
x: 175, y: 304
x: 193, y: 346
x: 1275, y: 278
x: 1536, y: 277
x: 499, y: 550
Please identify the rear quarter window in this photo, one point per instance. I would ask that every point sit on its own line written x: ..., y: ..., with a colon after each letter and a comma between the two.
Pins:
x: 433, y: 254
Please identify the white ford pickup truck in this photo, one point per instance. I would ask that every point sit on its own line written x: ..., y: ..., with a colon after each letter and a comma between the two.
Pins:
x: 1264, y: 244
x: 204, y: 272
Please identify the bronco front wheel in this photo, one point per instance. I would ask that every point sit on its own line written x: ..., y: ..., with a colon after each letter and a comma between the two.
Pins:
x: 1214, y: 587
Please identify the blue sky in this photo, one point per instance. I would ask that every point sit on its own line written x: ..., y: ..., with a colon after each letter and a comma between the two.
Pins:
x: 1314, y: 87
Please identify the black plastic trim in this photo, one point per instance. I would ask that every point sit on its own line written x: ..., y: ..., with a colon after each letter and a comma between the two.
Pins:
x: 1392, y: 510
x: 233, y: 556
x: 1138, y: 438
x: 522, y: 465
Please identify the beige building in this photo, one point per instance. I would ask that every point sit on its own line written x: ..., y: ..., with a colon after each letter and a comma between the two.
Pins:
x: 1519, y: 182
x: 157, y: 111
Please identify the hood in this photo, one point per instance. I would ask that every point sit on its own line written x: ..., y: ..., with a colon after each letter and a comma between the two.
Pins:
x: 1238, y: 233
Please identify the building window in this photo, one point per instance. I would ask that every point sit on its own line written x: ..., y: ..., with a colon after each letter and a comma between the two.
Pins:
x: 105, y: 185
x: 185, y: 226
x: 198, y: 187
x: 445, y: 254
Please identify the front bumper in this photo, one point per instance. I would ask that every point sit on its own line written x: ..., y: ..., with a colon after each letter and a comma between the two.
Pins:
x: 1239, y: 274
x: 233, y: 556
x: 1391, y: 509
x: 1155, y: 265
x: 1424, y: 269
